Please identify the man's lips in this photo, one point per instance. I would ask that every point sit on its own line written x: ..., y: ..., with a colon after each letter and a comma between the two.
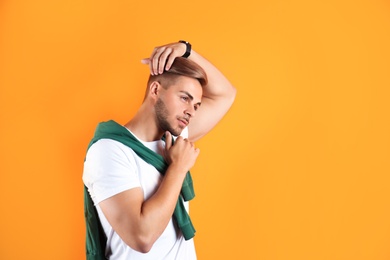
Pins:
x: 184, y: 121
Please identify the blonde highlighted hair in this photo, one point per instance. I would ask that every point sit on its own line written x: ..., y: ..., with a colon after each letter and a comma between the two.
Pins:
x: 180, y: 67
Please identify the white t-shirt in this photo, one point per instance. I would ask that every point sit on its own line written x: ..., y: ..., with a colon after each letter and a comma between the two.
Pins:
x: 112, y: 167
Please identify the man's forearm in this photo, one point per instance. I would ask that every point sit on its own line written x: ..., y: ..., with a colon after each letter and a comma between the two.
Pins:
x: 218, y: 85
x: 157, y: 211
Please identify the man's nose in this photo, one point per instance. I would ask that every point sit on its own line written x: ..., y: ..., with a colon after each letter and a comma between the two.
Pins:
x: 190, y: 111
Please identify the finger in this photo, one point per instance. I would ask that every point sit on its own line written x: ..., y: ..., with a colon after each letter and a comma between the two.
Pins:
x: 169, y: 62
x: 154, y: 51
x: 150, y: 59
x: 197, y: 151
x: 179, y: 139
x: 155, y: 60
x: 163, y: 58
x: 168, y: 140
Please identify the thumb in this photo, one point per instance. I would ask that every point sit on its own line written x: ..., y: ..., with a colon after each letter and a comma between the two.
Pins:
x: 168, y: 140
x: 145, y: 61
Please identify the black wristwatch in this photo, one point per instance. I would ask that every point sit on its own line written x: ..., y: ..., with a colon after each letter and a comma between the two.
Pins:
x: 188, y: 49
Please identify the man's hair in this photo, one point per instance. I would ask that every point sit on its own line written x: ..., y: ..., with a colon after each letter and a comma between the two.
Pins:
x: 180, y: 67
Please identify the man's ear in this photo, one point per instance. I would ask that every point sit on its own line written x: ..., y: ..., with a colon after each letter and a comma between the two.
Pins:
x: 154, y: 89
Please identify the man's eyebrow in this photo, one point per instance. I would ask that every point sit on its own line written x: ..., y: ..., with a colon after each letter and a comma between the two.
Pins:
x: 190, y: 96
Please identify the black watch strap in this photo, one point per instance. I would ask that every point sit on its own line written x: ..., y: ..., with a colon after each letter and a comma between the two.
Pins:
x: 188, y: 49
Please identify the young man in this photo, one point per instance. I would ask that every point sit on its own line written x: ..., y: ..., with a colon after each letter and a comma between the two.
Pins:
x: 142, y: 208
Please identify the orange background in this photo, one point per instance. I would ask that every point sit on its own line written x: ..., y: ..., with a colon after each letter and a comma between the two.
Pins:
x: 298, y: 169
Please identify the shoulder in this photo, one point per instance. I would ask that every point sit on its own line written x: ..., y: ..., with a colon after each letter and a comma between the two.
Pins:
x: 110, y: 168
x: 108, y: 148
x: 108, y: 157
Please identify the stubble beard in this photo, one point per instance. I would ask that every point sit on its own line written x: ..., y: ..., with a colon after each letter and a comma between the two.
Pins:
x: 162, y: 118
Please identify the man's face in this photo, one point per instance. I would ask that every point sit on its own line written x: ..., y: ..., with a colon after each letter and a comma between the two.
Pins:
x: 177, y: 104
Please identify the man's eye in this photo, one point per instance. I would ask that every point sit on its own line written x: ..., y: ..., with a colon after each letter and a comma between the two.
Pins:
x: 184, y: 98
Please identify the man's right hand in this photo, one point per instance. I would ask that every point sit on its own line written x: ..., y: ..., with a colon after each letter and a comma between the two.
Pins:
x: 182, y: 154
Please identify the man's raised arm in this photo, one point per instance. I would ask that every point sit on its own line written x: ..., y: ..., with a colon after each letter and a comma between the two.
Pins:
x: 218, y: 94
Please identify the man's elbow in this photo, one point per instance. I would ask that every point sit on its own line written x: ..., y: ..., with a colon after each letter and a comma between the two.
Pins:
x: 231, y: 95
x: 143, y: 248
x: 233, y: 92
x: 141, y: 244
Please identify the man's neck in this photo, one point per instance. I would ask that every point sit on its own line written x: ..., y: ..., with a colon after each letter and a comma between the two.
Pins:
x: 143, y: 125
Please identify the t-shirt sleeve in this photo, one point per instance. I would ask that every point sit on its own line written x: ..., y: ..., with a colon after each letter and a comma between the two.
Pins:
x: 109, y: 168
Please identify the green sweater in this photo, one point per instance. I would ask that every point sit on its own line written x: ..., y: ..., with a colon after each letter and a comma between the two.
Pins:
x: 96, y: 239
